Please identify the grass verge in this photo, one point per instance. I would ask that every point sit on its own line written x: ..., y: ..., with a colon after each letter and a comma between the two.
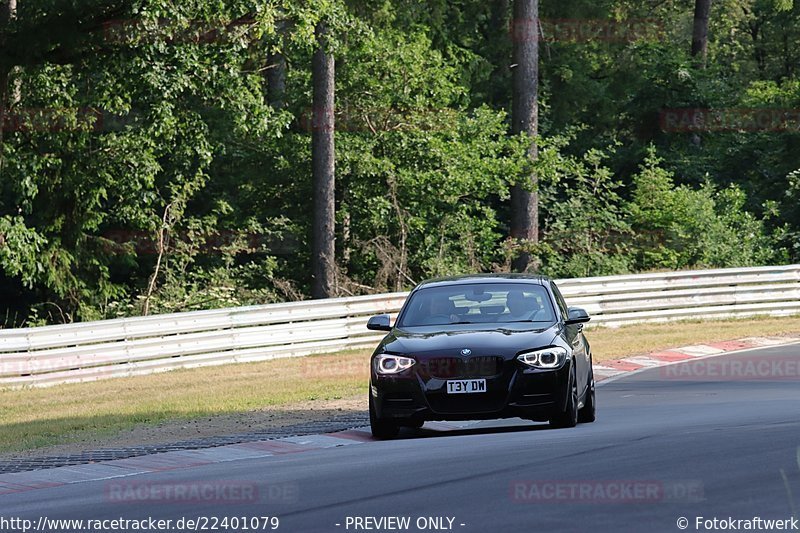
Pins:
x: 33, y: 418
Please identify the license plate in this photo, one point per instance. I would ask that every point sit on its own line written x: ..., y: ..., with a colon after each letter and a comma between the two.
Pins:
x: 466, y: 386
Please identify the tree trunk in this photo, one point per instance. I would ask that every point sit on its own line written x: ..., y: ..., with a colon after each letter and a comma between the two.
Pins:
x: 276, y: 74
x: 498, y: 34
x: 276, y: 80
x: 15, y: 91
x: 9, y: 95
x: 525, y: 119
x: 702, y: 9
x: 323, y: 162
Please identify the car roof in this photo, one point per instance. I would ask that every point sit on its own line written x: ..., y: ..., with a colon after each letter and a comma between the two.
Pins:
x: 485, y: 278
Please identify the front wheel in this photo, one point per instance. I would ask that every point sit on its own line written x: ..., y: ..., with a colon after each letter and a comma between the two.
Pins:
x: 381, y: 428
x: 587, y: 413
x: 569, y: 418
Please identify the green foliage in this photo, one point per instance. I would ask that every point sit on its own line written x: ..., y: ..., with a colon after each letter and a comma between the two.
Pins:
x: 681, y: 227
x: 20, y: 250
x: 418, y: 202
x: 148, y: 119
x: 586, y: 230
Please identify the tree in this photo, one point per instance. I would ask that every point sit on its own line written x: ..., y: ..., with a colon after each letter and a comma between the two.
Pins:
x: 276, y: 73
x: 323, y: 167
x: 9, y: 95
x: 497, y: 34
x: 525, y: 119
x: 133, y: 106
x: 700, y: 32
x: 276, y: 80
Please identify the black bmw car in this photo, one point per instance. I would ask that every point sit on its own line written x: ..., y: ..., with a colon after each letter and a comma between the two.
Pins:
x: 482, y: 347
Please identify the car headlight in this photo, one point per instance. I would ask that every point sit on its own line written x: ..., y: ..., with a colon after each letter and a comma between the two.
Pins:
x: 552, y: 357
x: 392, y: 364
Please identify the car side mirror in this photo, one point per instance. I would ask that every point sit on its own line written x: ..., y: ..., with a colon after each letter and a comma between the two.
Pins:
x: 380, y: 323
x: 577, y: 315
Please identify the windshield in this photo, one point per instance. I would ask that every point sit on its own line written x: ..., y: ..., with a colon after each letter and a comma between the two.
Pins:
x: 477, y: 304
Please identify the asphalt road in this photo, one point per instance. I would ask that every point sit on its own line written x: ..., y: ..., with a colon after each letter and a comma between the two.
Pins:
x: 700, y: 442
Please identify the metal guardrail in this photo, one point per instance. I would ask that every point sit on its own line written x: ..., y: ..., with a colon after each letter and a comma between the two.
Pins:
x: 143, y: 345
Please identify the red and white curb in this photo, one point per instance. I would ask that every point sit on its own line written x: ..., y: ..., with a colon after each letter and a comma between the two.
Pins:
x: 606, y: 372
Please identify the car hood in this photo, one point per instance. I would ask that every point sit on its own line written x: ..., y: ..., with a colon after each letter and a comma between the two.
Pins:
x: 480, y: 339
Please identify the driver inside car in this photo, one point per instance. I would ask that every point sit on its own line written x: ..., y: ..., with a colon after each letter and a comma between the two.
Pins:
x: 441, y: 311
x: 521, y: 308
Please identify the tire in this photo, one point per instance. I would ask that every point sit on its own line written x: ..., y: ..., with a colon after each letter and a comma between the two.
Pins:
x: 382, y: 429
x: 587, y: 413
x: 568, y: 418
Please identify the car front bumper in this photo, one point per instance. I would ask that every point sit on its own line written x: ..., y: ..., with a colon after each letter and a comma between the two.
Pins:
x: 516, y: 392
